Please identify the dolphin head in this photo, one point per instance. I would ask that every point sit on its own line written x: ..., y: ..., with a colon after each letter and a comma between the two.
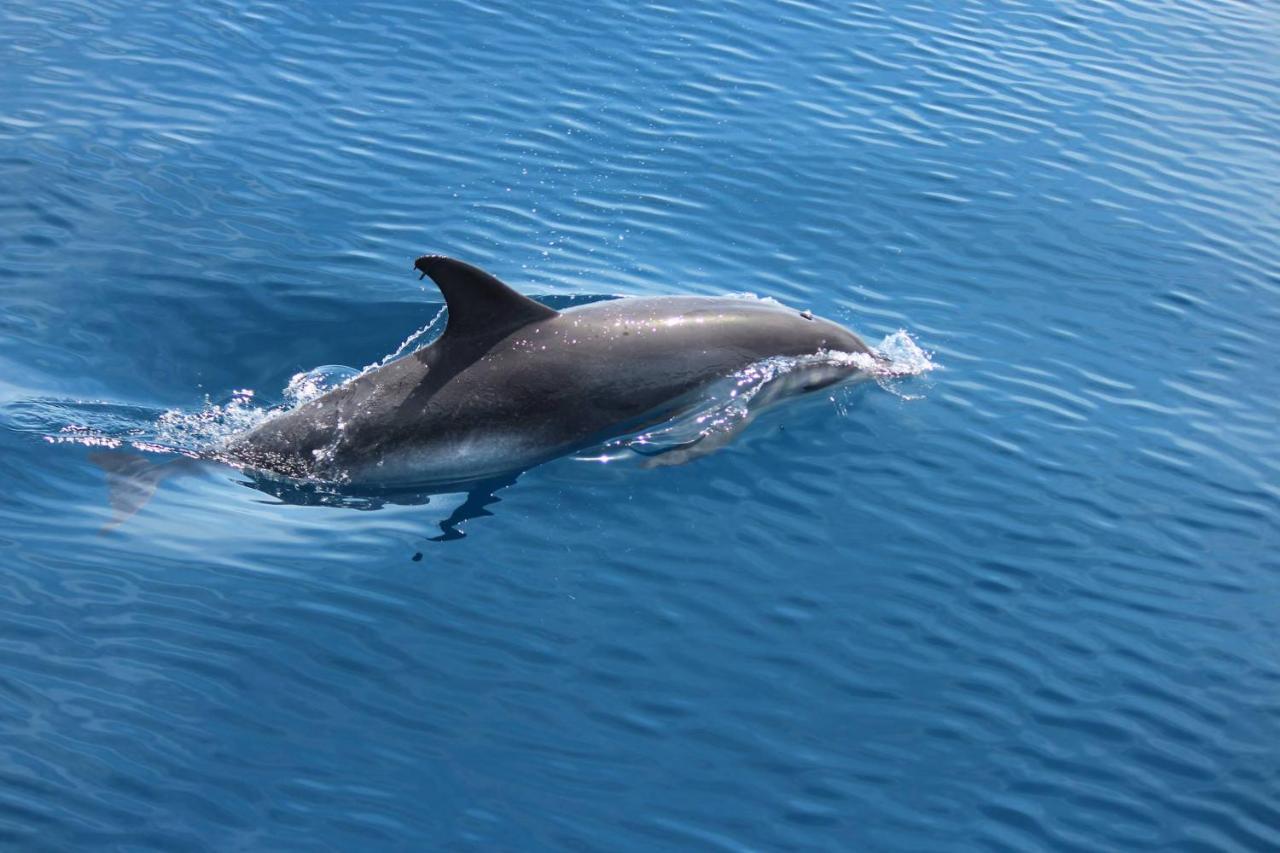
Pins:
x: 832, y: 336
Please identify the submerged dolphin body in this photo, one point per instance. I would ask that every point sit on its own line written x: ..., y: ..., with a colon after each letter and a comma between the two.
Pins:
x: 512, y: 383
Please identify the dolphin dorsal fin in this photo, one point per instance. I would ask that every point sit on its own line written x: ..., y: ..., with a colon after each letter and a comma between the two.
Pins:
x: 479, y: 304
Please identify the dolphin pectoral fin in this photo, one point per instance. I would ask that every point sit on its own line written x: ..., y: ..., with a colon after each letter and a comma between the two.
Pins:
x: 479, y: 304
x: 704, y: 446
x: 132, y: 480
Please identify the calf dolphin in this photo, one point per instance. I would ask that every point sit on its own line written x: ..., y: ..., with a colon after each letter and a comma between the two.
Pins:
x: 512, y: 383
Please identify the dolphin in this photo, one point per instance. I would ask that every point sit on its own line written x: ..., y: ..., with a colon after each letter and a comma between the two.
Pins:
x: 509, y: 384
x: 512, y: 383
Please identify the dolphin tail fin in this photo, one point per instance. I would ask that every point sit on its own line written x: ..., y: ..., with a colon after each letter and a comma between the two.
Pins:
x: 132, y: 480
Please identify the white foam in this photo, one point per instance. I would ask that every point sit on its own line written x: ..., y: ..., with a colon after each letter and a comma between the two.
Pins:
x: 749, y: 296
x: 316, y: 382
x: 209, y: 427
x: 905, y: 356
x: 420, y: 338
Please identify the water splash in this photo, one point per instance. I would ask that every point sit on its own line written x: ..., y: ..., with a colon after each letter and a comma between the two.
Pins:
x: 905, y: 356
x: 416, y: 341
x: 194, y: 433
x: 105, y: 424
x: 316, y: 382
x: 751, y: 296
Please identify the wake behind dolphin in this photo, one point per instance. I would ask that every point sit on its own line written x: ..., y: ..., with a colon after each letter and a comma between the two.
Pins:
x: 512, y: 383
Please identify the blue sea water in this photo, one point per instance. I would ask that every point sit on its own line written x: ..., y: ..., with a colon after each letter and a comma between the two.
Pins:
x: 1026, y: 600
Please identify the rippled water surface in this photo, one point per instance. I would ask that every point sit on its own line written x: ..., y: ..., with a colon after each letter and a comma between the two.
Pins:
x: 1026, y: 600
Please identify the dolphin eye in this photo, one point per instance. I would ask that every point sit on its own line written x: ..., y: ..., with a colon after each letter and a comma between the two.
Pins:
x: 807, y: 314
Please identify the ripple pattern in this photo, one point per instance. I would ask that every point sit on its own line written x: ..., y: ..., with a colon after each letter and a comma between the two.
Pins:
x: 1021, y: 602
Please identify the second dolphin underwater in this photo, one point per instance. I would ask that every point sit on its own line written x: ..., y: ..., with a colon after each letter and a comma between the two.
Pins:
x: 512, y: 383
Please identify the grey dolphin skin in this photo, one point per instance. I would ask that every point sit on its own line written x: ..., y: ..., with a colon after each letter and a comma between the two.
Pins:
x: 512, y: 383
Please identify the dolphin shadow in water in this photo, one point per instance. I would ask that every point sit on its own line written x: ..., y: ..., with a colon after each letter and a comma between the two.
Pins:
x: 132, y: 480
x: 479, y: 496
